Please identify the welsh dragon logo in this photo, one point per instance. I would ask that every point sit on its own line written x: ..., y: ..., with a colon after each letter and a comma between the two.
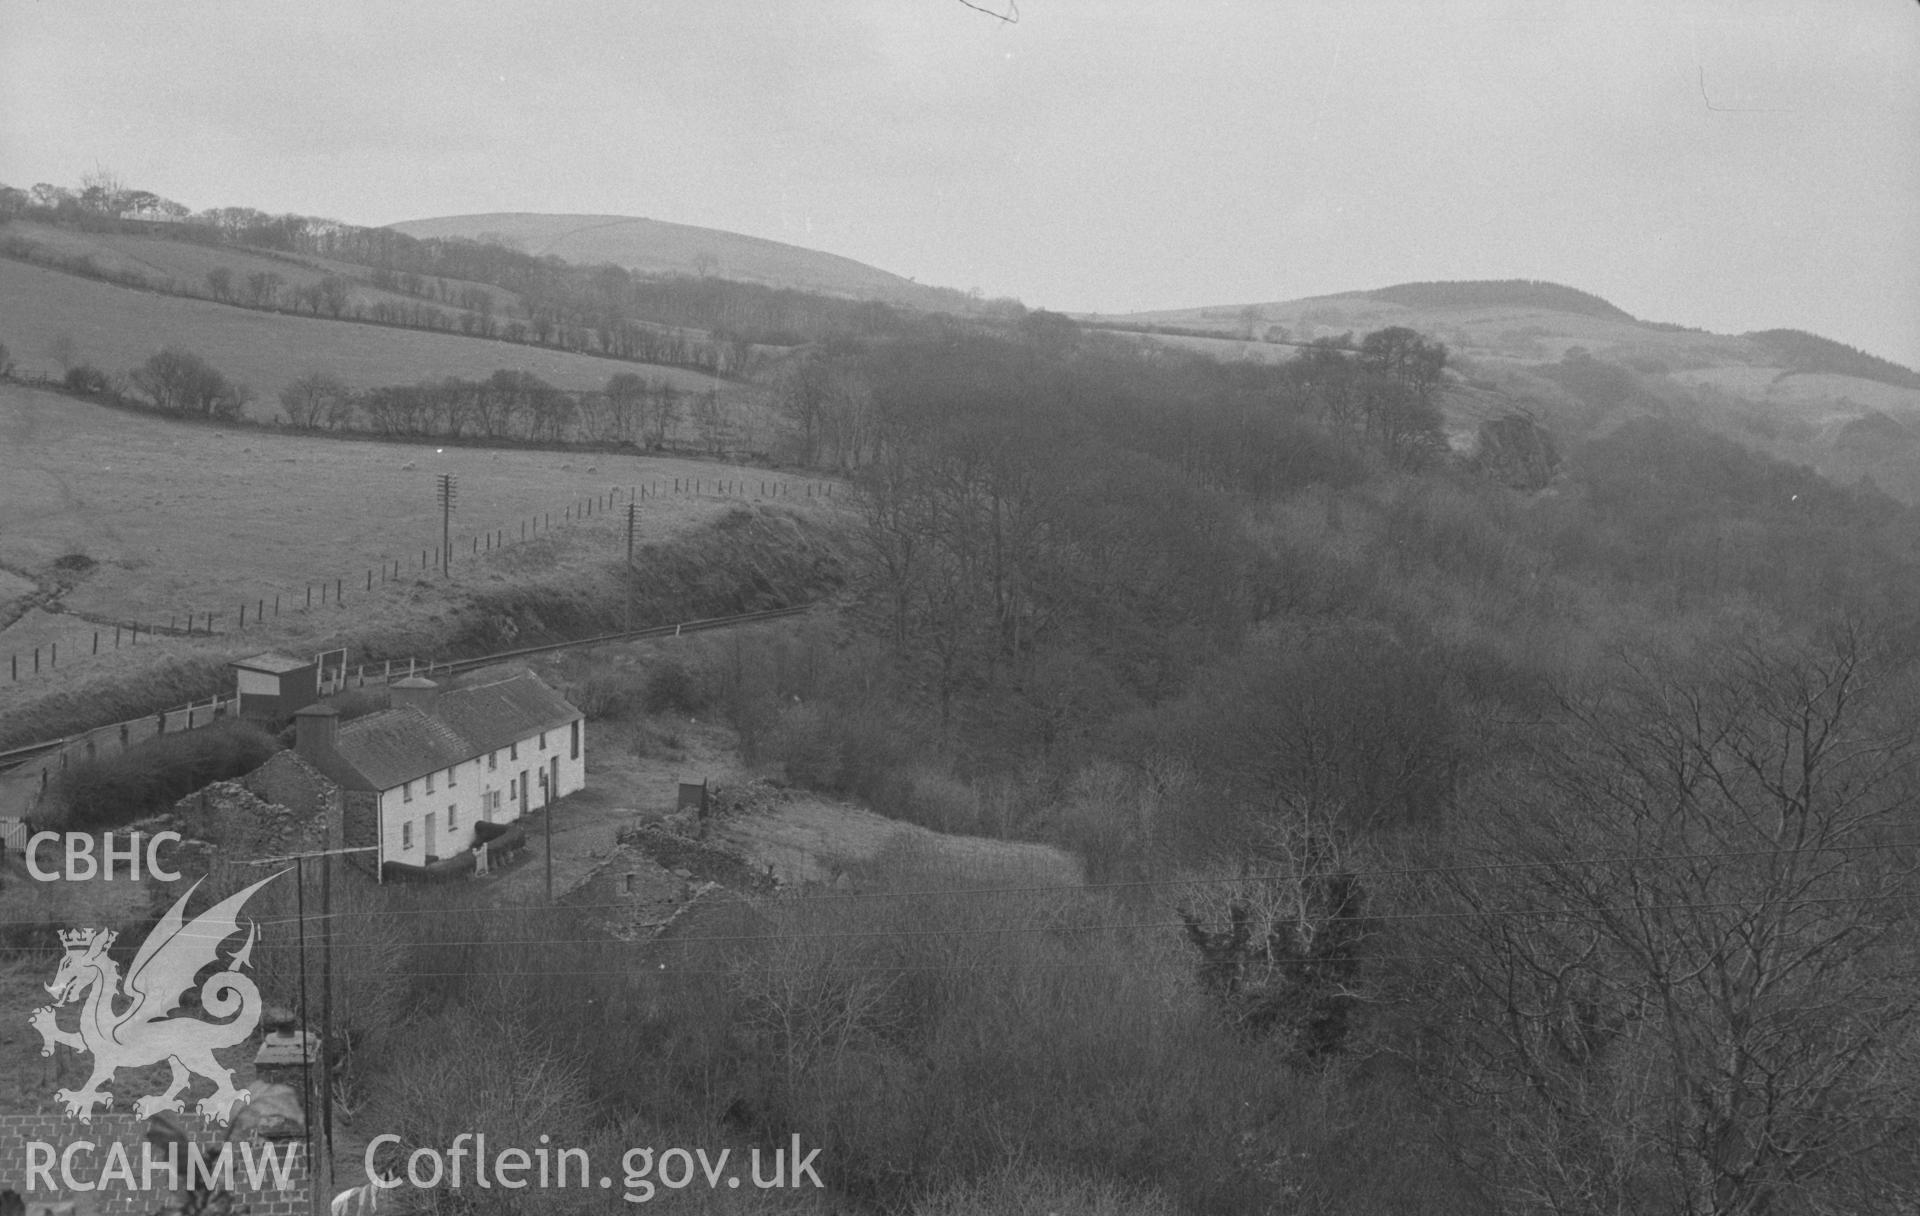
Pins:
x: 150, y: 1025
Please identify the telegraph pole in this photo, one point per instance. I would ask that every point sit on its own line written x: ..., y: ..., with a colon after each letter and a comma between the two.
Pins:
x: 319, y: 1163
x: 449, y: 490
x: 633, y: 510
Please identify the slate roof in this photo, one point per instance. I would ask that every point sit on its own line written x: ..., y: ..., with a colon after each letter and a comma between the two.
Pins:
x: 394, y: 746
x: 504, y: 711
x: 399, y: 745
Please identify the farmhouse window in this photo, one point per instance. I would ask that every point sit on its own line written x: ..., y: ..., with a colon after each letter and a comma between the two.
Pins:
x: 406, y: 835
x: 576, y: 740
x: 429, y: 783
x: 406, y: 792
x: 493, y: 761
x: 543, y: 740
x: 453, y: 817
x: 513, y: 751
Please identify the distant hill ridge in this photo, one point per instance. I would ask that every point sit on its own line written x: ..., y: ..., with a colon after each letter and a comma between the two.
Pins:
x: 661, y: 247
x: 1499, y: 293
x: 1805, y: 352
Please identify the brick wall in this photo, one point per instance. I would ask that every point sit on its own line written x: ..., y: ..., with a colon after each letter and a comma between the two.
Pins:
x: 52, y: 1127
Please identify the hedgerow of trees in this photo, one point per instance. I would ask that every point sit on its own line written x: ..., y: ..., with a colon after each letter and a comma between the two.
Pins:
x: 482, y: 288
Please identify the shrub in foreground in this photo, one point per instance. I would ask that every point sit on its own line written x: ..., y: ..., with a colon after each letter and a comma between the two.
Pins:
x: 148, y: 777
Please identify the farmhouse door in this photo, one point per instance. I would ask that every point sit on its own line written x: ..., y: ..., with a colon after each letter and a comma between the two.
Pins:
x: 523, y: 791
x: 432, y: 852
x: 553, y: 779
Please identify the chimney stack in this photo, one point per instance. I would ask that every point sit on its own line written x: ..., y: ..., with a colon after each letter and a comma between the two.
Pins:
x: 416, y: 691
x: 315, y: 728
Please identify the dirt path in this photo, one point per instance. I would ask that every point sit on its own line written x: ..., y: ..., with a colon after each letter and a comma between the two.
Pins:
x: 807, y: 839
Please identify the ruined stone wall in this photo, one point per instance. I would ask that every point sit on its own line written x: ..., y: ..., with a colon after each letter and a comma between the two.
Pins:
x: 288, y: 780
x: 241, y: 824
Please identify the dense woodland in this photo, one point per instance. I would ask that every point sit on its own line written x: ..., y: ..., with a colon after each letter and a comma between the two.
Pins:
x: 1451, y: 847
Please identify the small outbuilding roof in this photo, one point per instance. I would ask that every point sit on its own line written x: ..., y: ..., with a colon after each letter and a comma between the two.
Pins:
x: 272, y: 663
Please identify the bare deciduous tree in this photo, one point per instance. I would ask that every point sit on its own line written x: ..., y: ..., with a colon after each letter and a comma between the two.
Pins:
x: 1684, y: 983
x: 311, y: 398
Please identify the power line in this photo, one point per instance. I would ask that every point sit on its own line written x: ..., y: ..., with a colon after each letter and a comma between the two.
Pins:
x: 1182, y: 883
x: 970, y: 966
x: 1581, y: 914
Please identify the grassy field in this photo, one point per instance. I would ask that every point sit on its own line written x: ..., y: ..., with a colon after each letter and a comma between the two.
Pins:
x: 658, y: 247
x: 116, y: 328
x: 172, y: 518
x: 183, y: 265
x: 1772, y: 384
x: 1533, y: 334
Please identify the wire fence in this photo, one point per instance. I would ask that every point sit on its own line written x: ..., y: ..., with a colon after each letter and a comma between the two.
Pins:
x: 51, y: 658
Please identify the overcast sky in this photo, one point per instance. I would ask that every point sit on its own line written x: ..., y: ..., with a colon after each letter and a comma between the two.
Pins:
x: 1734, y: 166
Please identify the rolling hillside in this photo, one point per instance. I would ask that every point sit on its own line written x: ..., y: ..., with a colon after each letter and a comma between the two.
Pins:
x: 182, y: 266
x: 115, y: 328
x: 1585, y: 365
x: 658, y: 247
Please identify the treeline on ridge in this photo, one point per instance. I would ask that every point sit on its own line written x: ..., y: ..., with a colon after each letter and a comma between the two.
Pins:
x: 598, y: 310
x: 1500, y: 293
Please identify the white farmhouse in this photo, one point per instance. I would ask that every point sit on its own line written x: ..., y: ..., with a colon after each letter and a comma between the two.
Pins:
x: 416, y: 778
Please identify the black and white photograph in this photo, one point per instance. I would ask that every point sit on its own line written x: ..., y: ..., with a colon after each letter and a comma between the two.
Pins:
x: 960, y: 607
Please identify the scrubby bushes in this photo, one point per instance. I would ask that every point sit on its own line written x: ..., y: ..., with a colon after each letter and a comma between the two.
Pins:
x: 85, y: 378
x: 148, y: 777
x: 1022, y: 1187
x: 183, y: 382
x: 673, y: 685
x: 911, y: 1037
